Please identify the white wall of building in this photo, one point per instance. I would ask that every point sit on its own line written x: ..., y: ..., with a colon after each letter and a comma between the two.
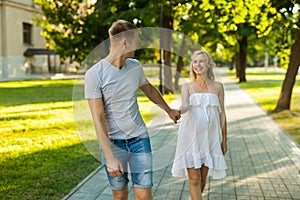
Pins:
x: 13, y: 13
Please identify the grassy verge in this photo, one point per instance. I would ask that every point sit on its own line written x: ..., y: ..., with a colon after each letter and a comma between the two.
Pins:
x: 41, y: 154
x: 264, y: 88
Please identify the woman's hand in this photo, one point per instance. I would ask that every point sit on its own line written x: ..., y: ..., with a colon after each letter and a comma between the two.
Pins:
x: 174, y: 115
x: 224, y: 147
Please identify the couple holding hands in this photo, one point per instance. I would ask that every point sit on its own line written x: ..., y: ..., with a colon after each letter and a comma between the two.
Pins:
x: 110, y: 88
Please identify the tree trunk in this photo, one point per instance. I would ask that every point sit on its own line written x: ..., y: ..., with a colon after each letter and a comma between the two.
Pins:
x: 167, y: 70
x: 167, y: 61
x: 231, y: 64
x: 100, y: 4
x: 284, y: 101
x: 242, y: 59
x: 237, y: 64
x: 179, y: 63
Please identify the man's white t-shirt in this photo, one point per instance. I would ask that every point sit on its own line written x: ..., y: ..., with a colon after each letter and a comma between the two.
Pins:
x: 117, y: 88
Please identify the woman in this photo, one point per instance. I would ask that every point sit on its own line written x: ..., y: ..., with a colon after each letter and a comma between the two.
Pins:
x: 201, y: 143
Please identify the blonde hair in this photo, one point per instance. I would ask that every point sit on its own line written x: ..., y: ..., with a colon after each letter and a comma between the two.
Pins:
x: 211, y: 64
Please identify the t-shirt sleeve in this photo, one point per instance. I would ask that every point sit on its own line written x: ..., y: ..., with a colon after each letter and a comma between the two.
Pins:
x: 92, y: 84
x: 143, y: 80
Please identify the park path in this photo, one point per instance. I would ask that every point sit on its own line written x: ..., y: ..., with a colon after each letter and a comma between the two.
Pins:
x: 263, y: 161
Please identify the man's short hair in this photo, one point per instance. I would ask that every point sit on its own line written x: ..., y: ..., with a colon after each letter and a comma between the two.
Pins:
x: 122, y: 26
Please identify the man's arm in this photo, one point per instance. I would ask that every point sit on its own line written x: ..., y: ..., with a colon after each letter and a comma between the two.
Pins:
x: 114, y: 166
x: 153, y: 94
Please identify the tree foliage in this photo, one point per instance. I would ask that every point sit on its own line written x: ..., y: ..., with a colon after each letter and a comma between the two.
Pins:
x: 237, y: 21
x: 67, y: 27
x: 231, y: 30
x: 74, y: 28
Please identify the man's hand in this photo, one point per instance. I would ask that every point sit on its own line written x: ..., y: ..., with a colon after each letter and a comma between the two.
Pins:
x: 174, y: 115
x: 114, y: 167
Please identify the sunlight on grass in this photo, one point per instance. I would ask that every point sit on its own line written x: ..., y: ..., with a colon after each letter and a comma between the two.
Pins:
x: 35, y: 92
x: 35, y: 83
x: 149, y: 110
x: 42, y: 154
x: 36, y: 126
x: 264, y: 88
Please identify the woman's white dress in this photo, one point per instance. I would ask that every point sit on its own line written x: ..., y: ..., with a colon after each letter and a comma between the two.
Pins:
x: 200, y: 136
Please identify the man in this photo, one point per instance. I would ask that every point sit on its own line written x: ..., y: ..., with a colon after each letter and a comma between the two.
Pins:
x: 110, y: 87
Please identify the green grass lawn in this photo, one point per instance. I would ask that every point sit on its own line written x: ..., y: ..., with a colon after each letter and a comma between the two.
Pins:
x: 41, y: 153
x: 264, y: 88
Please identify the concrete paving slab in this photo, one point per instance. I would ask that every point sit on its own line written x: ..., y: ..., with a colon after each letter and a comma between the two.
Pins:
x: 263, y: 161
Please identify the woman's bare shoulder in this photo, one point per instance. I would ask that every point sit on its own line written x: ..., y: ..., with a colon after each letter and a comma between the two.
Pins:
x: 187, y: 88
x: 218, y: 85
x: 187, y: 85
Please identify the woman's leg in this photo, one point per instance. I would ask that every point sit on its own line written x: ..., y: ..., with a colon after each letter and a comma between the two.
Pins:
x: 204, y: 172
x: 194, y: 176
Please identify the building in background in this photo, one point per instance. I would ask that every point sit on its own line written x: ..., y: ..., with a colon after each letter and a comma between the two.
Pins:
x: 22, y: 46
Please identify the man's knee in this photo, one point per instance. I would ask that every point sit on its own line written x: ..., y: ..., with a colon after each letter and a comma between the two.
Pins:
x: 143, y: 194
x: 120, y: 194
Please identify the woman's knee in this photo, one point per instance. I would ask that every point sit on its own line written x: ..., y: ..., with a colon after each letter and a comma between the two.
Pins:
x: 194, y: 180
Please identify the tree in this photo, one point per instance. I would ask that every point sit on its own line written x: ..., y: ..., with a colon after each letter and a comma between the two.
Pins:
x: 291, y: 19
x: 238, y: 20
x: 166, y: 39
x: 70, y: 27
x: 167, y: 10
x: 74, y: 27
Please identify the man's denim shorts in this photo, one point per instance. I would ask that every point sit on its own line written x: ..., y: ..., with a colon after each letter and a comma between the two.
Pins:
x: 136, y: 158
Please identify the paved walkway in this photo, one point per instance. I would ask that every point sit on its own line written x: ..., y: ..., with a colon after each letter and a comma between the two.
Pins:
x: 263, y: 161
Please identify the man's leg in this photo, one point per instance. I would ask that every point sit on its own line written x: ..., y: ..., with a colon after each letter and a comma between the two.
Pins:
x: 118, y: 184
x: 143, y: 193
x: 140, y: 163
x: 120, y: 194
